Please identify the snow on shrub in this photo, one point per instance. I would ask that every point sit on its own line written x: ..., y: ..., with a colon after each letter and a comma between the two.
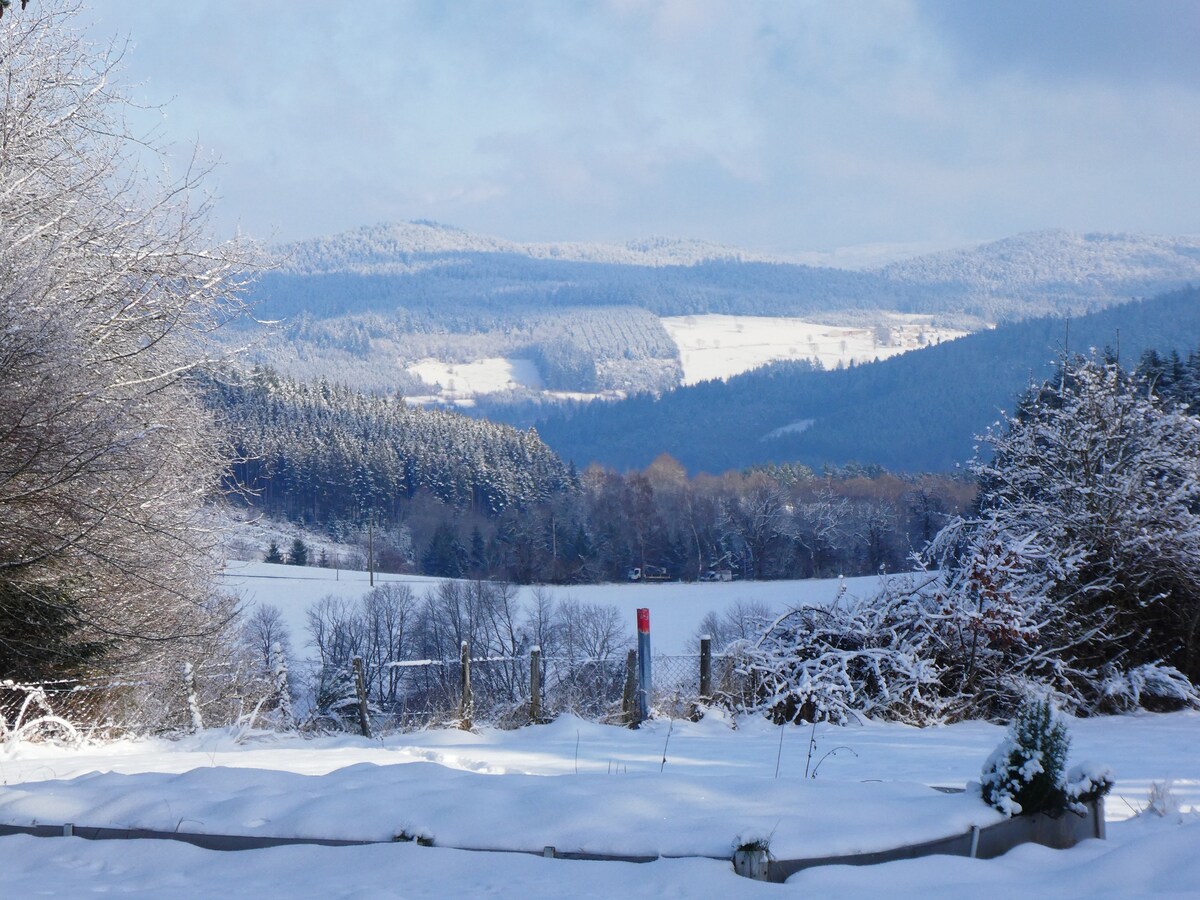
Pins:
x: 1150, y: 685
x: 1086, y: 783
x: 855, y: 658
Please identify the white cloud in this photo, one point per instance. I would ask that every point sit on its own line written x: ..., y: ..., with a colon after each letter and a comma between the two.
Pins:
x: 800, y: 125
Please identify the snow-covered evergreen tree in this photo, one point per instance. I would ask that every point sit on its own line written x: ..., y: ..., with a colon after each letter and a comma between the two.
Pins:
x: 1024, y: 774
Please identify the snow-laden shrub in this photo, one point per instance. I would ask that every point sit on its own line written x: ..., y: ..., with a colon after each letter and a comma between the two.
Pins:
x: 1024, y: 774
x: 1152, y: 686
x: 1083, y: 547
x: 337, y: 706
x: 1086, y: 783
x: 855, y: 658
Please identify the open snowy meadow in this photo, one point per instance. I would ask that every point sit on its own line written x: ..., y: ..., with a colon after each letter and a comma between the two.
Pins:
x: 445, y: 812
x: 676, y: 609
x: 710, y: 346
x: 721, y: 346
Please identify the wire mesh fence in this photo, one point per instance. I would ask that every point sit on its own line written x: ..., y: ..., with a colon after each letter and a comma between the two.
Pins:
x: 174, y: 699
x: 403, y: 695
x: 418, y: 693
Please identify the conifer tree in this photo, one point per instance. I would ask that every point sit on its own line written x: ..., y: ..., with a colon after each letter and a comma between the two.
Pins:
x: 298, y: 555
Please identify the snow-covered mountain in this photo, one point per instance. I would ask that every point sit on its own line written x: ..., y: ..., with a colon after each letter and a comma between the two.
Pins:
x: 397, y: 248
x: 1088, y: 264
x: 382, y: 307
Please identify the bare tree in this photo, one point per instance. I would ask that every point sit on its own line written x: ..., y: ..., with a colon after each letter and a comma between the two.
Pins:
x: 591, y: 631
x: 263, y: 631
x: 744, y: 621
x: 108, y: 291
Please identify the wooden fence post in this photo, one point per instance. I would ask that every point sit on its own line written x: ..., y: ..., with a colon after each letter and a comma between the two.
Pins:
x: 466, y: 708
x: 706, y: 689
x: 629, y: 699
x: 535, y: 685
x: 360, y: 688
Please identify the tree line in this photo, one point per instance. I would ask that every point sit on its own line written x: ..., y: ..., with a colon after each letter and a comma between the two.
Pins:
x: 446, y: 495
x: 324, y: 454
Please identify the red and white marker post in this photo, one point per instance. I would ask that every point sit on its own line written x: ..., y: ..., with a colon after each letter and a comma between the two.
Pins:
x: 644, y: 679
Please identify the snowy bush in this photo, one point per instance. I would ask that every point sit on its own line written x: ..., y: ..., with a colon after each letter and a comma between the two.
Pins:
x: 1086, y: 783
x: 337, y: 705
x: 1151, y: 686
x: 1024, y: 774
x: 856, y: 658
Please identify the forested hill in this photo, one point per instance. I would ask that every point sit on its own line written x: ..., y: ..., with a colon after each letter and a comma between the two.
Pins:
x: 476, y: 282
x: 322, y: 452
x: 392, y: 308
x: 916, y: 412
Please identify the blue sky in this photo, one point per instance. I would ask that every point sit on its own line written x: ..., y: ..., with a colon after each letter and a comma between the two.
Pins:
x: 782, y: 126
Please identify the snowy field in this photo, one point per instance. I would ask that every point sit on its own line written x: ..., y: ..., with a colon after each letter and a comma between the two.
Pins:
x: 718, y: 346
x: 459, y: 382
x: 576, y: 785
x: 710, y: 346
x: 676, y: 609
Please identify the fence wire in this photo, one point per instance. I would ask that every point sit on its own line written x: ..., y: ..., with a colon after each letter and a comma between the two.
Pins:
x: 418, y: 693
x: 136, y: 702
x: 402, y: 695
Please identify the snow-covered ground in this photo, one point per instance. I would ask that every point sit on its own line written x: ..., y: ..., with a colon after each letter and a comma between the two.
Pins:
x: 461, y: 381
x: 676, y: 609
x: 576, y: 785
x: 676, y: 788
x: 719, y: 346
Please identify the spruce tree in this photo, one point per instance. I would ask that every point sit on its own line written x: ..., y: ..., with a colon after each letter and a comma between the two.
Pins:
x: 1025, y: 773
x: 298, y: 555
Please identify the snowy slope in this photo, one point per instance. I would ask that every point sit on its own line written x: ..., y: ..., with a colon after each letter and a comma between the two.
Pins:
x: 717, y: 346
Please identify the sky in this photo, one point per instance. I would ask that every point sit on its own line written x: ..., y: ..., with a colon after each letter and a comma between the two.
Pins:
x: 780, y: 127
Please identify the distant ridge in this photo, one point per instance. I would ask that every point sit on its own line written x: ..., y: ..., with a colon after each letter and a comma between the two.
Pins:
x: 369, y: 305
x: 390, y: 248
x: 1032, y: 274
x: 1083, y: 271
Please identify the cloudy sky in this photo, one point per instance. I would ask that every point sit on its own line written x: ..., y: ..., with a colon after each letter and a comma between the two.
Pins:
x: 784, y: 126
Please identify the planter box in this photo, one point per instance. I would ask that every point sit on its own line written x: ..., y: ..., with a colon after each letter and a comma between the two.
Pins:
x: 1058, y: 833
